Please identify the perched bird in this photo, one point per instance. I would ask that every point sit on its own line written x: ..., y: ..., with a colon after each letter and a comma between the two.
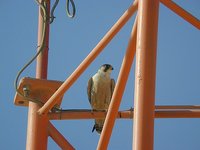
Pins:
x: 100, y: 89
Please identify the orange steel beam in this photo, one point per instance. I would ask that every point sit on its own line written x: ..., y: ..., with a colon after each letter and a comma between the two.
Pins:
x: 86, y: 114
x: 37, y: 135
x: 118, y: 91
x: 182, y: 13
x: 59, y: 138
x: 144, y: 100
x: 88, y: 60
x: 126, y: 114
x: 160, y: 107
x: 190, y: 113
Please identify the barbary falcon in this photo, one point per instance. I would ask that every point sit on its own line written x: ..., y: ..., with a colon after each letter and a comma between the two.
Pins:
x: 100, y: 89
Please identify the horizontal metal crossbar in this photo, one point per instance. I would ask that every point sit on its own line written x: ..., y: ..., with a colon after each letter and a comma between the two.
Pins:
x: 170, y: 111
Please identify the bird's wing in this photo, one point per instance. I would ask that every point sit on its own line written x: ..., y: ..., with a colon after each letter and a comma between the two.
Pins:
x: 112, y: 86
x: 89, y: 88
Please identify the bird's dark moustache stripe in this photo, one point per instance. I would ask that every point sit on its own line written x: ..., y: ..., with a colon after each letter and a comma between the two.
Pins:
x: 107, y: 66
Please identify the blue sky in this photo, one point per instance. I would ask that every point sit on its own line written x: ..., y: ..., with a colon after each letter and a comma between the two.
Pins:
x: 177, y: 80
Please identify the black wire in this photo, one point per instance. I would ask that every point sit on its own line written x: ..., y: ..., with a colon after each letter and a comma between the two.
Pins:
x: 52, y: 17
x: 41, y: 48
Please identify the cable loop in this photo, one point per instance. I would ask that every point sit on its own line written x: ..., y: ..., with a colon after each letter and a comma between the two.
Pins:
x: 70, y: 14
x: 43, y: 8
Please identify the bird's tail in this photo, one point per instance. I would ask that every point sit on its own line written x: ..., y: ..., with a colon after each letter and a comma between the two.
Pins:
x: 98, y: 126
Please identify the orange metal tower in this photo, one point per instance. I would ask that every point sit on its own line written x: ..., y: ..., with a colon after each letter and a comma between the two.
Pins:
x: 143, y: 42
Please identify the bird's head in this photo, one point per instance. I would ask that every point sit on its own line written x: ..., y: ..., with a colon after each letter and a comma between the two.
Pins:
x: 106, y: 69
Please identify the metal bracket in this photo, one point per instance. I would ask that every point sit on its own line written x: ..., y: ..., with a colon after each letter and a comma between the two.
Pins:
x: 39, y: 89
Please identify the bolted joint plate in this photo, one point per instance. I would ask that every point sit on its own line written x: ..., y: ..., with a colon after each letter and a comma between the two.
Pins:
x: 39, y: 89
